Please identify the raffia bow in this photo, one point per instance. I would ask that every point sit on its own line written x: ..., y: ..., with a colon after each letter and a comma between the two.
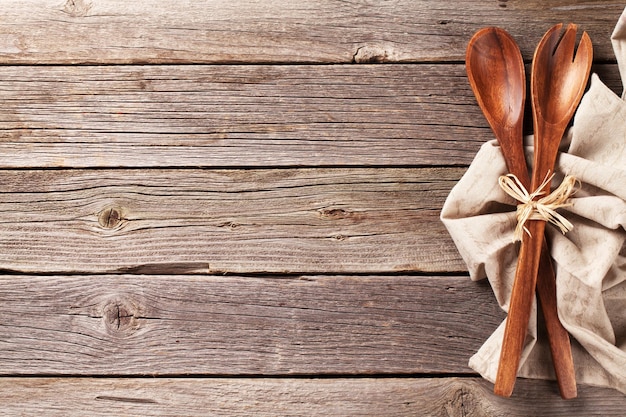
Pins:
x: 541, y: 209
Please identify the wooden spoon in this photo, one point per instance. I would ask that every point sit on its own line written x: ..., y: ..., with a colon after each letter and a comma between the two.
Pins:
x: 496, y: 73
x: 558, y: 82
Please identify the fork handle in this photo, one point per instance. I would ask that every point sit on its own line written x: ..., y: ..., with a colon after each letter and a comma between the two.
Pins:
x: 520, y: 305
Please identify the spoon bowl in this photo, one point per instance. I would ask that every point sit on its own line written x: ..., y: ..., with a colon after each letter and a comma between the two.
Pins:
x: 495, y: 69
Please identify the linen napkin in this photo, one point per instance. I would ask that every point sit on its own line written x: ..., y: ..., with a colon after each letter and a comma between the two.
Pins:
x: 590, y: 260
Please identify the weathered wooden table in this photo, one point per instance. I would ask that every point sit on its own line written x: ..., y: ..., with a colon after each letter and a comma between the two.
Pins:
x: 231, y: 207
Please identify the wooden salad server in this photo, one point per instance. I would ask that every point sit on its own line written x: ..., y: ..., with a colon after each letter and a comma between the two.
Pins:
x: 559, y: 78
x: 495, y: 69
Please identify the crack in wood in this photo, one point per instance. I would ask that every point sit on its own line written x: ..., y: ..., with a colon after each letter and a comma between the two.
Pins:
x: 126, y: 399
x: 122, y: 315
x: 167, y: 268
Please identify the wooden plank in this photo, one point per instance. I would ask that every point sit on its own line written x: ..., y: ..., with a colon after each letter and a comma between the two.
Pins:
x: 217, y: 221
x: 226, y: 31
x: 311, y: 397
x: 216, y: 325
x: 223, y: 116
x: 238, y: 116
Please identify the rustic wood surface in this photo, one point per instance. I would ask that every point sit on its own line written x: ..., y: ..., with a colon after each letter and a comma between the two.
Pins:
x: 249, y: 115
x: 212, y: 325
x: 243, y: 31
x: 232, y: 207
x: 445, y: 397
x: 217, y: 221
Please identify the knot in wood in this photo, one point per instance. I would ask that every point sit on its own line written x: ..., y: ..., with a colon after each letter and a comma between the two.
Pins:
x: 333, y: 213
x: 110, y: 217
x: 463, y: 400
x: 77, y: 8
x: 120, y: 316
x: 341, y: 214
x: 371, y: 54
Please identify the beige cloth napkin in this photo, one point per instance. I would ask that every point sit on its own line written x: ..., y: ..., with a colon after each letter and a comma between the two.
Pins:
x: 590, y: 261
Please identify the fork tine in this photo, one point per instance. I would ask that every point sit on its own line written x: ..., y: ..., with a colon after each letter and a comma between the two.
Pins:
x: 567, y: 42
x: 551, y: 39
x: 584, y: 53
x: 555, y: 37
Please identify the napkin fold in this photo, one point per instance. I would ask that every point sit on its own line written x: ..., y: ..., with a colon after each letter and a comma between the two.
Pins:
x: 590, y: 260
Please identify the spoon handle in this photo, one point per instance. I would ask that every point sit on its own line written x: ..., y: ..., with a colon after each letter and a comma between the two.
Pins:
x: 560, y: 346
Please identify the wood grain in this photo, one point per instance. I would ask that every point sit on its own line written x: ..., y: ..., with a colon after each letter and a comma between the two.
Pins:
x: 238, y: 116
x: 241, y: 116
x: 213, y: 325
x: 443, y: 397
x: 270, y: 31
x: 187, y: 194
x: 217, y: 221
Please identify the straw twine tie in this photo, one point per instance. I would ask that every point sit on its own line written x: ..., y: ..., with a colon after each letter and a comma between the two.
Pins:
x: 541, y: 209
